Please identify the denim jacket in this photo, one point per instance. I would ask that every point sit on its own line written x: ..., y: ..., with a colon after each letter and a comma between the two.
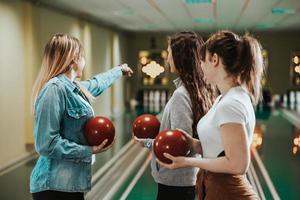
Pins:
x: 64, y: 162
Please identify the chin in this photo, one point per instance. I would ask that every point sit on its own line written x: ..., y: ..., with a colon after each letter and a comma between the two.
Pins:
x: 78, y: 75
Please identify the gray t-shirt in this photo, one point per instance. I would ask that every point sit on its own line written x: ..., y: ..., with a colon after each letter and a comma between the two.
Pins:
x: 177, y: 114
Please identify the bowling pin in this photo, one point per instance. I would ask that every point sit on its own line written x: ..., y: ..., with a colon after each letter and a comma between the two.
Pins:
x: 163, y: 99
x: 292, y: 99
x: 156, y: 101
x: 151, y: 101
x: 298, y: 101
x: 285, y: 101
x: 145, y: 101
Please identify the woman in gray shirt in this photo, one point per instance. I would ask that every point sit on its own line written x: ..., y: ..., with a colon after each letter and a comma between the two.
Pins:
x: 189, y: 102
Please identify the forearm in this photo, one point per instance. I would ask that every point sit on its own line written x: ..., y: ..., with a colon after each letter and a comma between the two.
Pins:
x: 63, y: 149
x: 218, y: 165
x: 102, y: 81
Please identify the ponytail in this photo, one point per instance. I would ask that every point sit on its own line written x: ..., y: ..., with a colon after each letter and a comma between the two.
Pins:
x: 251, y: 62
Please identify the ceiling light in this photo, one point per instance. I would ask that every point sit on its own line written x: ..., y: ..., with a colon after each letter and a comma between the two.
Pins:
x: 282, y: 11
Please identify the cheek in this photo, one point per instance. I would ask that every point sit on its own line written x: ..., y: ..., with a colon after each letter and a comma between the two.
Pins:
x: 82, y: 64
x: 169, y: 59
x: 204, y: 68
x: 172, y: 62
x: 209, y: 71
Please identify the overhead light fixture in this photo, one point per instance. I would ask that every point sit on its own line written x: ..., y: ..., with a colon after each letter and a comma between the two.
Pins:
x: 164, y: 54
x: 196, y: 1
x: 264, y: 26
x: 153, y: 69
x: 283, y: 11
x: 297, y: 69
x: 296, y: 60
x: 204, y: 20
x: 144, y: 53
x: 124, y: 12
x: 150, y: 26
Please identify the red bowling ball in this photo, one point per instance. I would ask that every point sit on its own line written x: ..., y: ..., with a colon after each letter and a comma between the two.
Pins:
x: 146, y: 126
x: 173, y: 142
x: 97, y: 129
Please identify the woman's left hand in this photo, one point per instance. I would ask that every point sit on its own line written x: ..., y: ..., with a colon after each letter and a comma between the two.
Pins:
x: 127, y: 71
x: 177, y: 162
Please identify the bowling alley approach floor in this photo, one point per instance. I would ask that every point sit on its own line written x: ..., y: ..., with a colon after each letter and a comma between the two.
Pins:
x: 145, y: 188
x: 278, y: 151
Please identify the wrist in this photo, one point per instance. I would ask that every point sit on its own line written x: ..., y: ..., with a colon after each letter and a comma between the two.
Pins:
x: 189, y: 162
x: 186, y: 162
x: 147, y: 143
x: 196, y: 146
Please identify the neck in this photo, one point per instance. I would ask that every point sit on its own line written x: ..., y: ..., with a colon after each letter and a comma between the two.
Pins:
x: 71, y: 75
x: 226, y: 84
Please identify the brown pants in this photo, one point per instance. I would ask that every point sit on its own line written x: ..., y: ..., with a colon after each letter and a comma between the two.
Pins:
x: 214, y: 186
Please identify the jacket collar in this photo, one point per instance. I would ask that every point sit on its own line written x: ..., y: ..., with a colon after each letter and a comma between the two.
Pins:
x: 70, y: 85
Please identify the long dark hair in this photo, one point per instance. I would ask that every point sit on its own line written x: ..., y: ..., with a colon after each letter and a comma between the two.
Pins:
x: 185, y: 47
x: 242, y: 59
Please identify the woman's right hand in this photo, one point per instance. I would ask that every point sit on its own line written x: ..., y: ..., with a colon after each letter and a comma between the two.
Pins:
x: 127, y: 71
x: 138, y: 141
x: 100, y: 148
x: 195, y: 144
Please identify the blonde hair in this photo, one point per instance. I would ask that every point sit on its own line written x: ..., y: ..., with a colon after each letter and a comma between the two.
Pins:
x: 60, y: 51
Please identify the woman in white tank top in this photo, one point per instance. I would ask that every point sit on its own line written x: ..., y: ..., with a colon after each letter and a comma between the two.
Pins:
x: 234, y: 64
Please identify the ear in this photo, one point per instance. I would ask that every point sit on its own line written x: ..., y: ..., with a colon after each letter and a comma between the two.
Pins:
x: 73, y: 64
x: 74, y: 61
x: 215, y: 59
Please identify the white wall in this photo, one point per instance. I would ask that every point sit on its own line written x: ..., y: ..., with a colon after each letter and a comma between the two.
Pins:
x: 25, y: 29
x: 101, y: 61
x: 118, y: 87
x: 12, y: 80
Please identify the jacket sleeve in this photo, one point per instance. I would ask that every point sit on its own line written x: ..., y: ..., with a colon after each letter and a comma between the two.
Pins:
x: 102, y: 81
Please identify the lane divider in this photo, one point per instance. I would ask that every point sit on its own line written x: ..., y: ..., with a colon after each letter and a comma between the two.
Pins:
x: 136, y: 178
x: 265, y: 174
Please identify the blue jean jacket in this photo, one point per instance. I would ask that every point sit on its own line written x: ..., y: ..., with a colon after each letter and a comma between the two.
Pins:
x: 64, y: 162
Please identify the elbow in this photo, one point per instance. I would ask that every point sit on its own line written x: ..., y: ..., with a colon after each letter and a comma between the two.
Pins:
x: 239, y: 168
x: 42, y: 150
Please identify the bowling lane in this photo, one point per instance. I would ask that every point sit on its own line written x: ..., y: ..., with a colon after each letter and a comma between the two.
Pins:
x: 123, y: 134
x: 276, y: 152
x: 15, y: 183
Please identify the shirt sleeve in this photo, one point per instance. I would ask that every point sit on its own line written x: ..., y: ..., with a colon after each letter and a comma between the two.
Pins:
x: 102, y: 81
x: 148, y: 143
x: 48, y: 140
x: 231, y: 112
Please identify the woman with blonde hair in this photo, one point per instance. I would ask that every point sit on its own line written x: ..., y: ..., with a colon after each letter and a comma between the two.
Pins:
x: 61, y: 107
